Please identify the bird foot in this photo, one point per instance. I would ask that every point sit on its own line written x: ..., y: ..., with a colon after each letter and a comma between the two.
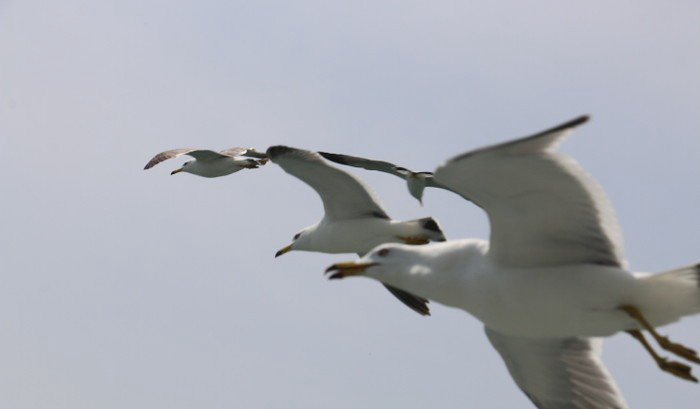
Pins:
x: 678, y: 349
x: 678, y: 369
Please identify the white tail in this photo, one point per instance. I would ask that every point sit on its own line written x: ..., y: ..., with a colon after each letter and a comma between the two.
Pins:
x: 672, y: 294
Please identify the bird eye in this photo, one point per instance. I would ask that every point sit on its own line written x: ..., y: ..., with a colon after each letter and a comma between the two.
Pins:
x: 296, y: 236
x: 383, y: 252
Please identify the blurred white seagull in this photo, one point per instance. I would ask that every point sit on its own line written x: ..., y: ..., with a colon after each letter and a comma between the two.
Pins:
x: 552, y: 279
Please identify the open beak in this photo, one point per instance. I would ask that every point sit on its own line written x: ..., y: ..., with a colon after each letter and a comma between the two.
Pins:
x: 283, y: 250
x: 347, y: 269
x: 178, y: 170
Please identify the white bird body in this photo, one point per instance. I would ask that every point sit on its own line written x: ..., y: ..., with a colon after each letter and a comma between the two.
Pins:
x: 560, y: 301
x: 416, y: 182
x: 217, y: 167
x: 360, y: 235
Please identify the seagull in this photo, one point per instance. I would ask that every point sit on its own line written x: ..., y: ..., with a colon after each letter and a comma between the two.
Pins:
x: 415, y: 181
x: 354, y: 221
x: 211, y: 164
x: 552, y: 280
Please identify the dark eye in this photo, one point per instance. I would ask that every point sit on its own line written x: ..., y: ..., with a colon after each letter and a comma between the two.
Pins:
x: 383, y: 252
x: 296, y: 236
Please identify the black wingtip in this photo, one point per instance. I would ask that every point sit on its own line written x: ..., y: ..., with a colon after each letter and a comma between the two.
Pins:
x: 431, y: 224
x: 334, y: 157
x: 571, y: 124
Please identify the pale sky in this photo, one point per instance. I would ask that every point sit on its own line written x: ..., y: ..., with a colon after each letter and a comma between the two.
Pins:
x: 122, y: 288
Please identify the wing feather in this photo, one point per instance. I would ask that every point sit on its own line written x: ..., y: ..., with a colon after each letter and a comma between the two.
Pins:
x: 544, y: 209
x: 343, y: 195
x: 358, y: 162
x: 163, y: 156
x: 557, y: 373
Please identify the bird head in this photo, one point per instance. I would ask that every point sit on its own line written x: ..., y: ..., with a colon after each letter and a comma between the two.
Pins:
x: 384, y: 259
x: 183, y: 168
x: 297, y: 241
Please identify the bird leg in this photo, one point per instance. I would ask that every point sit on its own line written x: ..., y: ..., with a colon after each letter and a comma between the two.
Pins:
x: 675, y: 368
x: 664, y: 342
x: 413, y: 240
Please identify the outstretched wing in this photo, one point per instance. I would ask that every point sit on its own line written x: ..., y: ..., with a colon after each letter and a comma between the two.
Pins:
x: 544, y: 209
x: 559, y: 373
x: 343, y: 195
x: 174, y: 153
x: 363, y: 163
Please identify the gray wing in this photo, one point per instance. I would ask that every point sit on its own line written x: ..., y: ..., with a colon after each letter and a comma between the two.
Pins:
x: 363, y: 163
x: 199, y: 154
x: 559, y: 373
x: 382, y: 166
x: 544, y: 209
x: 343, y: 195
x: 163, y: 156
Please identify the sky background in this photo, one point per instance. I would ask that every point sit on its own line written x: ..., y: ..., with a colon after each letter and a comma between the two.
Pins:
x: 121, y: 288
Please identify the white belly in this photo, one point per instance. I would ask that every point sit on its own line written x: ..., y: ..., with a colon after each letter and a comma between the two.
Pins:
x: 552, y: 302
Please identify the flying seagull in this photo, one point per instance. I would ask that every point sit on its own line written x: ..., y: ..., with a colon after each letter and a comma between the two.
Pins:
x: 211, y: 164
x: 551, y: 281
x: 415, y: 181
x: 354, y: 221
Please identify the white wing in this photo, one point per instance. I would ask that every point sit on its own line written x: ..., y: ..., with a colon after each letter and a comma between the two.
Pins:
x: 559, y: 373
x: 543, y: 208
x: 343, y: 195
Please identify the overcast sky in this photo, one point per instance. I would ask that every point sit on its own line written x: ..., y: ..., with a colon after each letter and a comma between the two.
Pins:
x: 121, y: 288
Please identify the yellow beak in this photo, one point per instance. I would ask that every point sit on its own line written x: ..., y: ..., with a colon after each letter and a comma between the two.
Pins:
x: 283, y: 250
x: 347, y: 269
x: 178, y: 170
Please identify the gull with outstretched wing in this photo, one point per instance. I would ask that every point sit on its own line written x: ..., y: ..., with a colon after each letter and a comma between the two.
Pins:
x: 354, y: 221
x: 211, y: 164
x: 551, y: 281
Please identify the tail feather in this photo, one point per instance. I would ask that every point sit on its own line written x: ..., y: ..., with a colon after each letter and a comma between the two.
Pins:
x: 688, y: 275
x: 673, y: 294
x: 431, y: 225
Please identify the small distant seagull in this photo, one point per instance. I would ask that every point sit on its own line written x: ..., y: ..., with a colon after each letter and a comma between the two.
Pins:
x: 354, y: 221
x: 551, y: 281
x: 416, y: 181
x: 211, y: 164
